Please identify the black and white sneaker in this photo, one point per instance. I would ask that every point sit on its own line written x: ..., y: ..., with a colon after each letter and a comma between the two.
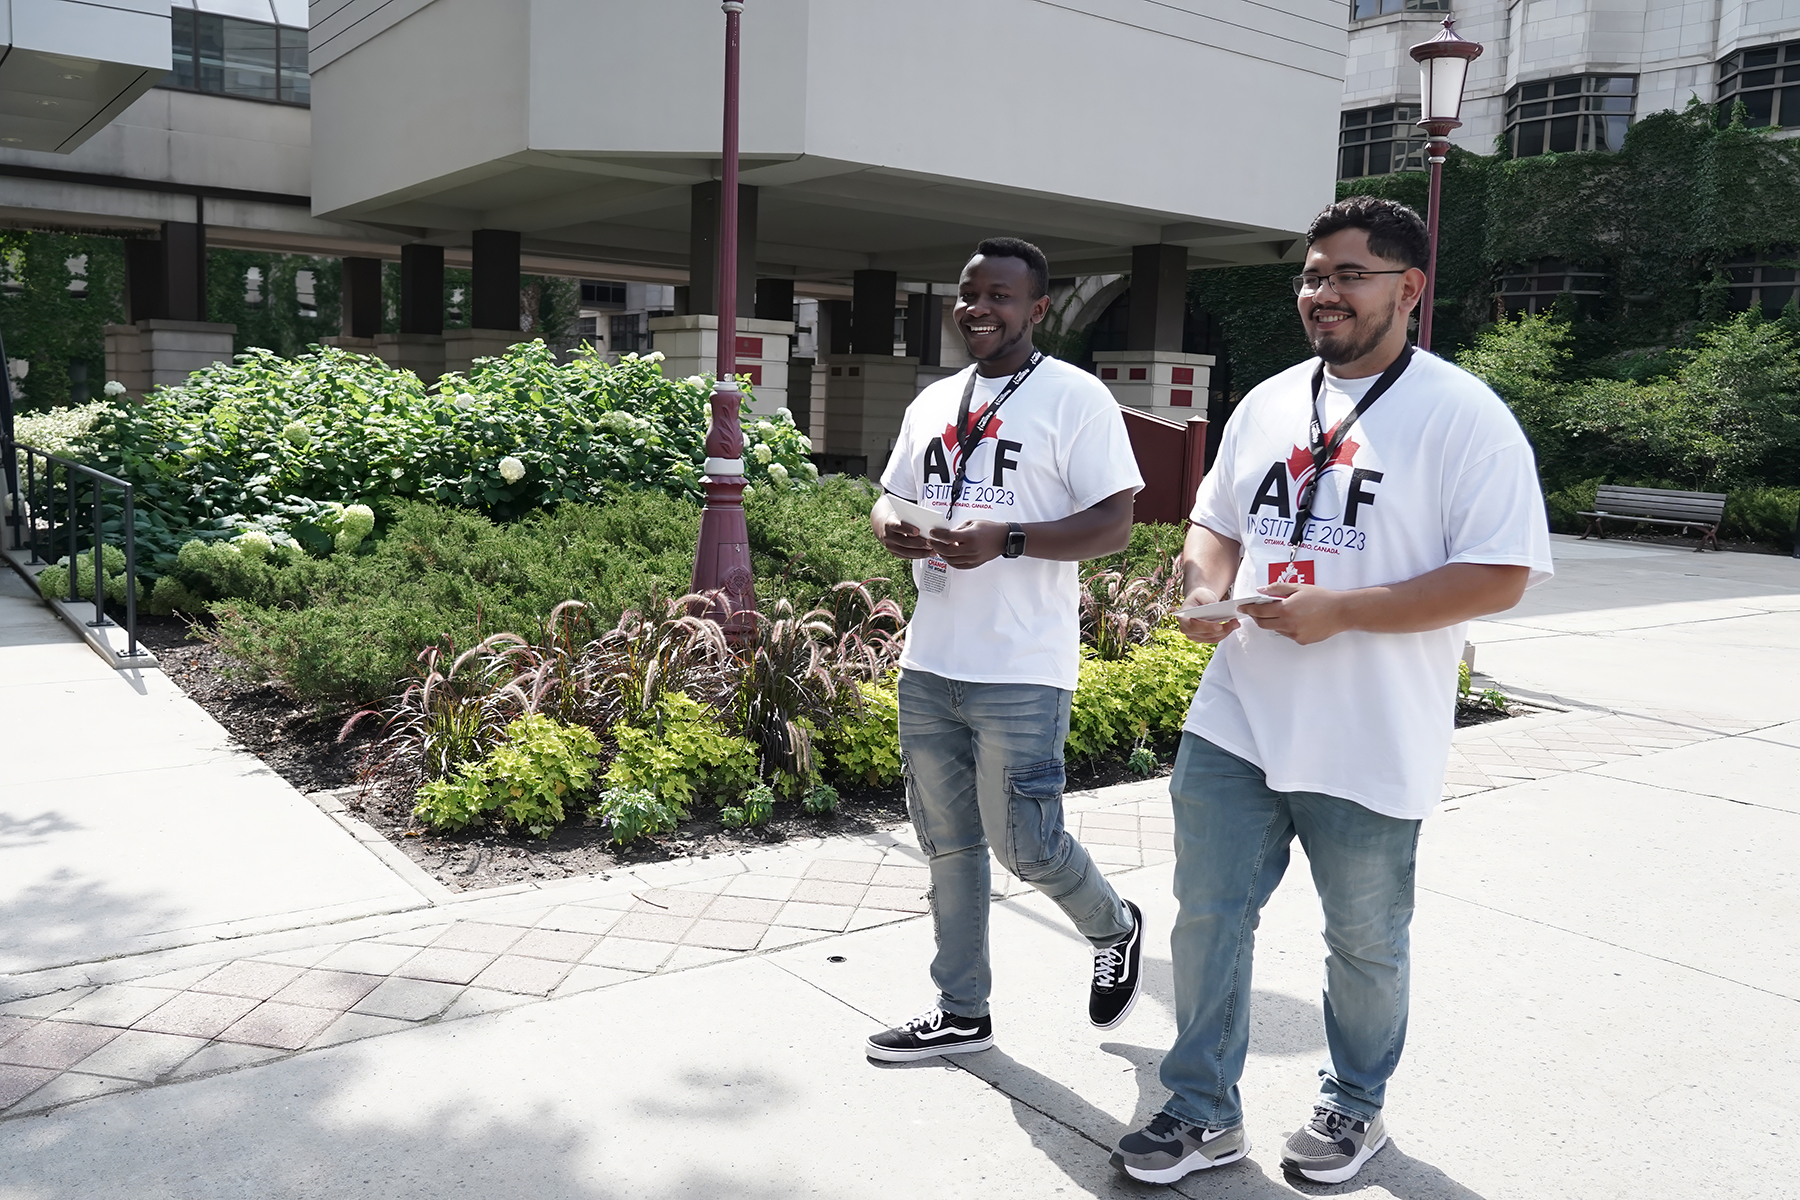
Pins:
x: 929, y: 1033
x: 1115, y: 989
x: 1167, y: 1149
x: 1332, y: 1147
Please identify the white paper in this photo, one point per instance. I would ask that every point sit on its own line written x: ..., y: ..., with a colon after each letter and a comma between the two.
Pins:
x: 1223, y: 610
x: 925, y: 520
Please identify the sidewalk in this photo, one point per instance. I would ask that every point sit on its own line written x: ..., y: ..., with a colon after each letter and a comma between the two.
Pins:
x: 1604, y: 1005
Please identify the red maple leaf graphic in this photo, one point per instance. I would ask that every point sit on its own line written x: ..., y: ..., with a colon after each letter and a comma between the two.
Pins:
x: 1300, y: 461
x: 993, y: 430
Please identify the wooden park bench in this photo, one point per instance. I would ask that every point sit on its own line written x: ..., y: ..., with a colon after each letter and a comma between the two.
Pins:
x: 1658, y: 506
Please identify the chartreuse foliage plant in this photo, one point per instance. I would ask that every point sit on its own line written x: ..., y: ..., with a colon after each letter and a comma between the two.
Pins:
x: 1142, y: 696
x: 684, y: 754
x: 865, y: 745
x: 524, y: 782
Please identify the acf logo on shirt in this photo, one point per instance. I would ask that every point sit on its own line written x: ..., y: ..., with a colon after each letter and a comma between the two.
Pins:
x: 1345, y: 494
x: 990, y: 461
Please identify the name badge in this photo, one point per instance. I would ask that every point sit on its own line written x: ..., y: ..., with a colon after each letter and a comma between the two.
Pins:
x: 935, y: 577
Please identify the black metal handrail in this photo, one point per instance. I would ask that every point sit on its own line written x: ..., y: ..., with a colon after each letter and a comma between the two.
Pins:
x: 26, y: 515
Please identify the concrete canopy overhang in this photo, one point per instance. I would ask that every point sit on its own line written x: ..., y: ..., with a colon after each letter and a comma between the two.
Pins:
x: 67, y: 68
x: 871, y: 142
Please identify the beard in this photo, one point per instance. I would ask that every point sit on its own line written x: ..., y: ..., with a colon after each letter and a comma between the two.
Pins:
x: 1338, y: 351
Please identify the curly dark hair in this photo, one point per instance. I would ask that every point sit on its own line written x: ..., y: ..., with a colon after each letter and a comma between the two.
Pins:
x: 1035, y: 262
x: 1396, y: 232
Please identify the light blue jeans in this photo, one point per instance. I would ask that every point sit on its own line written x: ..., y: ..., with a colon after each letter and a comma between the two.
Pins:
x: 984, y: 766
x: 1231, y: 848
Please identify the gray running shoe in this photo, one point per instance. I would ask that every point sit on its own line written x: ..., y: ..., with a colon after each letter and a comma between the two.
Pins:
x: 1167, y: 1149
x: 1332, y: 1147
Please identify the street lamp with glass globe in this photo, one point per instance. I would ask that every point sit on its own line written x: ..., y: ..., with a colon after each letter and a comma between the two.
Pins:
x: 1443, y: 69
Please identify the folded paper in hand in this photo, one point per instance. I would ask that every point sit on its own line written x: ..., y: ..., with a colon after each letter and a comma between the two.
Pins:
x: 1223, y: 610
x: 925, y: 520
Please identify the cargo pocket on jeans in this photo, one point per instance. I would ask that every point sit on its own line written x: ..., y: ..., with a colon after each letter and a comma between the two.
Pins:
x: 913, y: 811
x: 1035, y: 813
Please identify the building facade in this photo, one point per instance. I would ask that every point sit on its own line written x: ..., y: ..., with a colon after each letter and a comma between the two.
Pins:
x: 1563, y: 75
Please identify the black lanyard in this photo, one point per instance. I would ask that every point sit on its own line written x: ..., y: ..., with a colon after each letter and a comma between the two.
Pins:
x: 968, y: 439
x: 1325, y: 449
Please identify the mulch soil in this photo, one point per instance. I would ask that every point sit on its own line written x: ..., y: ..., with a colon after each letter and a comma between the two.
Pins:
x: 300, y: 743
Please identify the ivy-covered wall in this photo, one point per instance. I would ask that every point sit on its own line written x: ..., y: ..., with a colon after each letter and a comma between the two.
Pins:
x: 268, y: 307
x: 1660, y: 219
x: 58, y: 292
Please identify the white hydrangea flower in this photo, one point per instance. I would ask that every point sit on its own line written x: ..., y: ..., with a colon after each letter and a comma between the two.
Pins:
x: 812, y: 470
x: 698, y: 381
x: 114, y: 388
x: 296, y: 433
x: 805, y: 444
x: 765, y: 427
x: 762, y: 453
x: 464, y: 400
x: 655, y: 356
x: 511, y: 469
x: 779, y: 474
x: 786, y: 414
x: 749, y: 491
x: 254, y: 543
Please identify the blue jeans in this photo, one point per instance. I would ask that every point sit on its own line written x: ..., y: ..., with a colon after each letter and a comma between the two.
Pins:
x: 1231, y: 847
x: 984, y: 765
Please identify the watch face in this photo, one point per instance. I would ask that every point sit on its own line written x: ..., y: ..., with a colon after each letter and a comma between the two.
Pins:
x: 1015, y: 543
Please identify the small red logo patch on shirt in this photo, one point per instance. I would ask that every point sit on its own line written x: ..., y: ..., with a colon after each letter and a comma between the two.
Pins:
x: 1303, y: 571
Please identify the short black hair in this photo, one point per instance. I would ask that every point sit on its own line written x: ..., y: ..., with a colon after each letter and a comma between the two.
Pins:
x: 1395, y: 231
x: 1012, y: 247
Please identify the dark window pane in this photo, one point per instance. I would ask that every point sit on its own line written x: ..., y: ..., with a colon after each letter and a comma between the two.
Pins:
x: 181, y: 48
x: 1350, y: 163
x: 1615, y: 132
x: 1535, y: 91
x: 1775, y: 299
x: 1572, y: 104
x: 1760, y: 106
x: 1533, y: 110
x: 1564, y: 87
x: 1752, y: 79
x: 209, y: 49
x: 1729, y: 65
x: 1378, y: 157
x: 1380, y: 133
x: 1778, y: 274
x: 1359, y: 117
x: 1352, y: 136
x: 1616, y: 104
x: 1364, y: 9
x: 1619, y: 84
x: 1790, y: 107
x: 1379, y: 115
x: 296, y: 84
x: 1562, y: 134
x: 1761, y: 58
x: 250, y: 60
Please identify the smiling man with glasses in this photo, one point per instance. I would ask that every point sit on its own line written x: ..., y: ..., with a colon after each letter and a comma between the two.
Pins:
x: 1379, y: 497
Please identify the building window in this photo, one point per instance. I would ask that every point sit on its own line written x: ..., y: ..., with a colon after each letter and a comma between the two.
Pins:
x: 1580, y: 112
x: 1767, y: 281
x: 1380, y: 141
x: 1536, y: 286
x: 627, y: 334
x: 229, y: 57
x: 602, y: 292
x: 1362, y: 10
x: 1767, y: 80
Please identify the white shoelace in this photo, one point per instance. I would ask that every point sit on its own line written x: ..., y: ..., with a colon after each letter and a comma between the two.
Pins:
x: 1107, y: 965
x: 928, y: 1020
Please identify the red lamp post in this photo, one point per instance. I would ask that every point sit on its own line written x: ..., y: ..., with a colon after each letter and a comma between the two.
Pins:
x: 722, y: 558
x: 1443, y: 68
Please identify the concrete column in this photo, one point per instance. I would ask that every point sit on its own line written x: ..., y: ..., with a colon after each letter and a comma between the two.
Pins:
x: 834, y: 315
x: 155, y: 352
x: 865, y: 397
x: 421, y: 289
x: 495, y: 281
x: 1158, y: 298
x: 165, y: 279
x: 690, y: 346
x: 925, y: 328
x: 703, y: 250
x: 872, y: 312
x: 775, y: 300
x: 361, y: 302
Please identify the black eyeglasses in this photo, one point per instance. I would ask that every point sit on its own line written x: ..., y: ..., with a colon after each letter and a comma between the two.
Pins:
x: 1341, y: 281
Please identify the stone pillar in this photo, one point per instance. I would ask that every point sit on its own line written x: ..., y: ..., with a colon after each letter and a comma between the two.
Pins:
x: 865, y: 397
x: 494, y: 281
x: 419, y: 346
x: 872, y: 312
x: 834, y: 315
x: 1158, y: 298
x: 361, y: 299
x: 925, y: 328
x: 774, y: 299
x: 163, y: 353
x: 703, y: 250
x: 165, y: 278
x: 690, y: 346
x: 1152, y: 374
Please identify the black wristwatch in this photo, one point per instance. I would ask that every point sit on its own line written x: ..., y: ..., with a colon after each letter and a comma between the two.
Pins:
x: 1015, y: 540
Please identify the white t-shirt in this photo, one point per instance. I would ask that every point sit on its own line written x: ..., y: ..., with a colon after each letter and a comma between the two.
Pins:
x: 1437, y: 471
x: 1057, y: 446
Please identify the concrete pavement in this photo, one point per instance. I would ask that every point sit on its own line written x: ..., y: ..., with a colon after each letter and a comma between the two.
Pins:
x: 1605, y: 1001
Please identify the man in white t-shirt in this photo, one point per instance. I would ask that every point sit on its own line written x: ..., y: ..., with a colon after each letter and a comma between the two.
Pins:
x: 1025, y: 468
x: 1327, y: 714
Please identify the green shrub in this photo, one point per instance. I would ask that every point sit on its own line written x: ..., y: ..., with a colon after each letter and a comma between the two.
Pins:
x: 687, y: 753
x: 248, y: 442
x: 524, y: 781
x: 757, y: 808
x: 1143, y: 696
x: 823, y: 798
x: 632, y: 813
x: 1762, y: 514
x: 865, y: 744
x: 171, y: 596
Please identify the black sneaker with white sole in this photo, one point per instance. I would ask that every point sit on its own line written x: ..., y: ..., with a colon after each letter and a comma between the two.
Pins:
x: 929, y: 1033
x: 1332, y: 1147
x: 1115, y: 988
x: 1167, y: 1149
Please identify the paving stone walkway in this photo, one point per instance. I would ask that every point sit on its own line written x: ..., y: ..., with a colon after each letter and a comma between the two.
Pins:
x: 481, y: 953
